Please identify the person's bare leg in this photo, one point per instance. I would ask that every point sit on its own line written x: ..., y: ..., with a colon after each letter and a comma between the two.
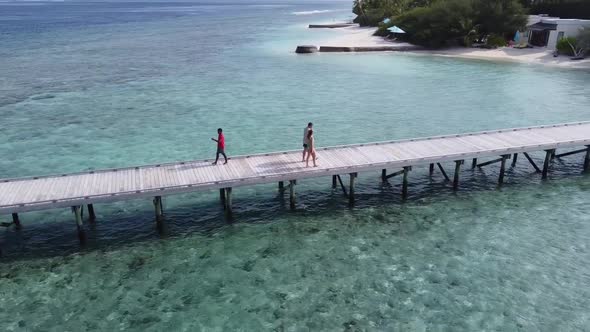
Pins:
x: 313, y: 155
x: 307, y: 160
x: 304, y: 151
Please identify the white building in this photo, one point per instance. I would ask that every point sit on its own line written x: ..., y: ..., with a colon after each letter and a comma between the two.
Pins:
x: 545, y: 31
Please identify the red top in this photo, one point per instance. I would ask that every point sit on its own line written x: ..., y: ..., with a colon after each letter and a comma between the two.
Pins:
x: 221, y: 141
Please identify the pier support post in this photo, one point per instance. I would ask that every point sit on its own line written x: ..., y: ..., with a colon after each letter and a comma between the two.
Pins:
x: 334, y: 181
x: 587, y: 159
x: 222, y: 196
x: 351, y: 189
x: 442, y: 170
x: 158, y: 211
x: 228, y: 201
x: 502, y: 168
x: 561, y: 155
x: 548, y: 158
x: 78, y: 215
x: 158, y: 206
x: 473, y: 163
x: 91, y: 214
x: 281, y: 186
x: 532, y: 162
x: 456, y: 177
x: 292, y: 200
x: 431, y: 169
x: 384, y: 175
x: 342, y: 185
x: 16, y: 221
x: 405, y: 182
x: 514, y: 158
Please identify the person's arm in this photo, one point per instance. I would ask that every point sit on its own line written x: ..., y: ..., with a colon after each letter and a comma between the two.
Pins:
x: 213, y: 139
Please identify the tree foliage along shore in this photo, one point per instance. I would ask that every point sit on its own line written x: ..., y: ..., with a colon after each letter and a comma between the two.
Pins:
x: 371, y: 12
x: 438, y: 23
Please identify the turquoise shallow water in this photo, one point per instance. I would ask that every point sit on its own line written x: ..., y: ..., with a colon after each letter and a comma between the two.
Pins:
x: 92, y: 85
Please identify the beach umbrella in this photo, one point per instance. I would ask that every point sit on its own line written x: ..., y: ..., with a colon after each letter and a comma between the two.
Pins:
x: 395, y: 29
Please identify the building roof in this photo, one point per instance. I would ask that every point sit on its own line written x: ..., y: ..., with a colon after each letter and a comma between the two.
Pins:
x: 541, y: 26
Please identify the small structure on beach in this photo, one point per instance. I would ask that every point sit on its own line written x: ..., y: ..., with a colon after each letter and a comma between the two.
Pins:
x: 544, y: 31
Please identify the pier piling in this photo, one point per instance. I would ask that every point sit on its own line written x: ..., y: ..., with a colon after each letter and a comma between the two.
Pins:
x: 514, y: 158
x: 431, y: 169
x: 79, y: 225
x: 458, y: 164
x: 91, y: 214
x: 548, y: 157
x: 228, y: 201
x: 334, y: 181
x: 292, y: 198
x: 473, y: 163
x: 281, y: 186
x: 351, y: 189
x: 158, y: 211
x: 16, y: 221
x: 222, y: 196
x: 502, y: 168
x: 158, y: 206
x: 587, y: 159
x: 405, y: 182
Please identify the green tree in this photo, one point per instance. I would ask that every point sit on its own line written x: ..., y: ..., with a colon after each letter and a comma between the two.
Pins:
x: 582, y: 43
x: 443, y: 23
x: 498, y: 17
x: 371, y: 12
x: 451, y: 22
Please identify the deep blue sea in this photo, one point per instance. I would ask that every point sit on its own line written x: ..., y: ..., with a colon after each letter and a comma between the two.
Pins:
x: 88, y: 85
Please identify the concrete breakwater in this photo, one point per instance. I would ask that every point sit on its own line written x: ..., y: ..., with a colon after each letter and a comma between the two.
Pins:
x: 305, y: 49
x: 369, y: 48
x: 340, y: 49
x: 332, y: 26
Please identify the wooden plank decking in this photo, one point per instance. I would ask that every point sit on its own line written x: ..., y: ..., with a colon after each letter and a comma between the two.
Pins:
x: 65, y: 190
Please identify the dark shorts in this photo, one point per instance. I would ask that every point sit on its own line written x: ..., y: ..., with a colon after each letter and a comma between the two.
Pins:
x: 305, y: 146
x: 219, y: 150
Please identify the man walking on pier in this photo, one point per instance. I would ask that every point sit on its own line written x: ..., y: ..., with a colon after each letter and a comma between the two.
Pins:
x: 220, y: 146
x: 306, y: 140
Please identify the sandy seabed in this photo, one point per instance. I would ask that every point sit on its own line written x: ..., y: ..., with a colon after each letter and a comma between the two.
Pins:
x: 363, y: 37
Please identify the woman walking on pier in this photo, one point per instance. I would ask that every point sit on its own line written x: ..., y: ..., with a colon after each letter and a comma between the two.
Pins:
x: 220, y: 146
x: 310, y: 148
x: 305, y: 140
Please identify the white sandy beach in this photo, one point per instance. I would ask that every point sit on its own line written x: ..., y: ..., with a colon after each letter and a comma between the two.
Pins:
x: 363, y: 37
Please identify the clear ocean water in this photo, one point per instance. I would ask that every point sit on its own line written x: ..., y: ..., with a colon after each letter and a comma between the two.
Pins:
x: 86, y: 85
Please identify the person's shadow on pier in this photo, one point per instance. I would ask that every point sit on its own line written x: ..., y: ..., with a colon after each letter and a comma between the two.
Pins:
x: 280, y: 167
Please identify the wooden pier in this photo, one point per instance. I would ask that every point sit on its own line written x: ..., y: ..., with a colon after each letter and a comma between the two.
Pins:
x: 397, y: 157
